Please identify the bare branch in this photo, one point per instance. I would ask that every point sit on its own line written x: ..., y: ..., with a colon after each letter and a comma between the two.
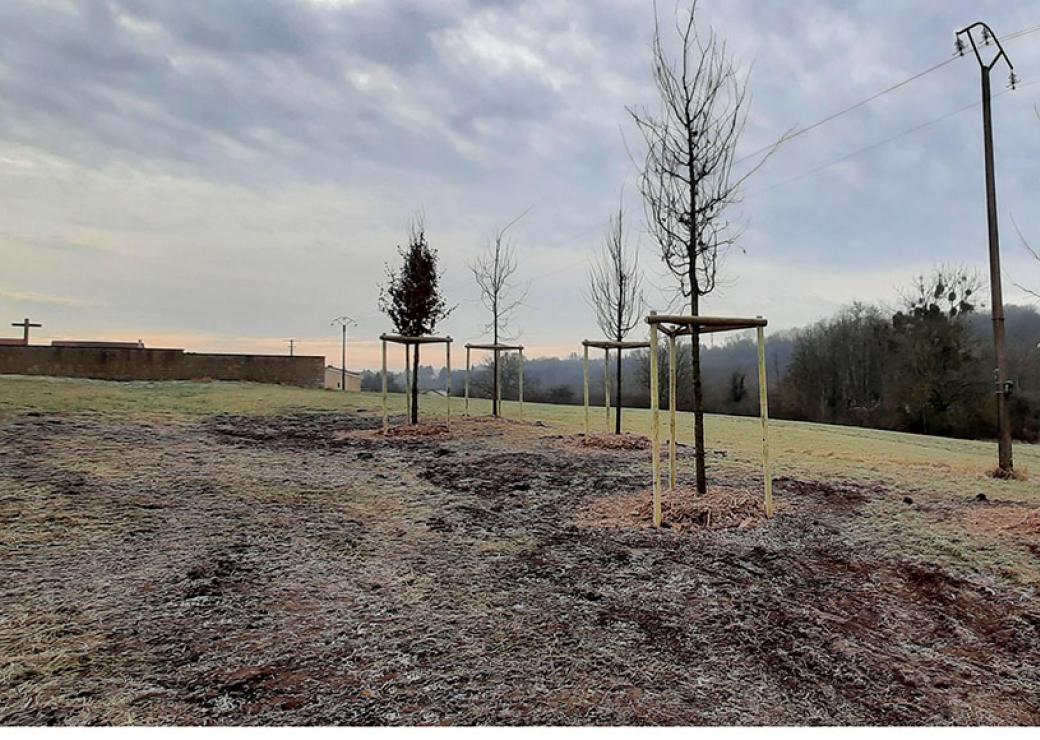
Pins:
x: 1033, y: 253
x: 688, y: 181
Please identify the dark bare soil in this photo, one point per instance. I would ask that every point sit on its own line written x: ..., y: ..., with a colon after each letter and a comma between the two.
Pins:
x: 306, y: 569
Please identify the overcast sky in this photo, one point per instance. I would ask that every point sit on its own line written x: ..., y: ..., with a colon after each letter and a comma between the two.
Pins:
x: 224, y: 174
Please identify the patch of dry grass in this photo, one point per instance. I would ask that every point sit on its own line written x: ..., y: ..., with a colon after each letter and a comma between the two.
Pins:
x: 944, y: 466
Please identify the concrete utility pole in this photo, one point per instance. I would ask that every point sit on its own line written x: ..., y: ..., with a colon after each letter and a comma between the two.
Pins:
x: 26, y: 325
x: 292, y: 345
x: 344, y: 322
x: 1003, y: 385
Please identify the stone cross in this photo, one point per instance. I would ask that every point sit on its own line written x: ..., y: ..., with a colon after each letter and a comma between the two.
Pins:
x: 26, y: 325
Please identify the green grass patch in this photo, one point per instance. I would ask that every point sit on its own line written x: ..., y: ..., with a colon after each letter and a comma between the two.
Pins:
x: 913, y: 462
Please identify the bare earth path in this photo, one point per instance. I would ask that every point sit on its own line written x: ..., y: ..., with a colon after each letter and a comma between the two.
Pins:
x: 301, y: 569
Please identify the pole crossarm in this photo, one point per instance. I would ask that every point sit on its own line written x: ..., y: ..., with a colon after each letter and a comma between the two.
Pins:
x: 988, y: 38
x: 673, y: 326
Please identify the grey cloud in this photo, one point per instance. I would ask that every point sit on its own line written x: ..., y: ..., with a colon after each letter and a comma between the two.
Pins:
x: 478, y: 109
x: 189, y: 83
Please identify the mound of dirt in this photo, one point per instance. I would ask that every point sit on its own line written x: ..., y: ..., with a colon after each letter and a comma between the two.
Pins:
x: 292, y: 429
x: 682, y: 509
x: 434, y: 429
x: 1009, y: 520
x: 624, y: 441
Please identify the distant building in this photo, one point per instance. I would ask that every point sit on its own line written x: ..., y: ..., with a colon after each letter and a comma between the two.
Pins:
x: 94, y: 344
x: 334, y: 379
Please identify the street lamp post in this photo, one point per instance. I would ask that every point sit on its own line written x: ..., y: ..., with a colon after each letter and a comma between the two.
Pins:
x: 343, y: 322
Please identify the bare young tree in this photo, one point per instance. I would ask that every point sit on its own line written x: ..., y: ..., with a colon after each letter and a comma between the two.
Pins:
x: 615, y: 292
x: 494, y: 271
x: 688, y: 182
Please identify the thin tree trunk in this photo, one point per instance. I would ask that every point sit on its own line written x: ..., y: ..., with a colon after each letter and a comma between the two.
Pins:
x: 415, y: 386
x: 617, y: 395
x: 494, y: 370
x: 698, y: 398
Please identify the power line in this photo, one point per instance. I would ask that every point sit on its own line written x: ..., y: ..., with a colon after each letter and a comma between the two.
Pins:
x: 862, y: 150
x: 855, y: 106
x: 878, y: 144
x: 843, y: 111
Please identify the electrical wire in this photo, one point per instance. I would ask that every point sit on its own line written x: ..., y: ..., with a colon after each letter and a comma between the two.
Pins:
x: 883, y: 142
x: 855, y: 106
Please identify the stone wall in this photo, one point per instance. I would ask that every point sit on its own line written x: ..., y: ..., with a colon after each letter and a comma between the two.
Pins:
x: 161, y: 364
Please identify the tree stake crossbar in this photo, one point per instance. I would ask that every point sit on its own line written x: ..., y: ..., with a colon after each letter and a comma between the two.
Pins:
x: 676, y: 326
x: 497, y: 349
x: 408, y: 342
x: 606, y: 345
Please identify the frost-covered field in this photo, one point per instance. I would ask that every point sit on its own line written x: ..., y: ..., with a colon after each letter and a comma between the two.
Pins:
x: 224, y: 553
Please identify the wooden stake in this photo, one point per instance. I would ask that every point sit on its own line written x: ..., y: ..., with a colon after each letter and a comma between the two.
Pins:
x: 521, y: 384
x: 466, y: 384
x: 498, y: 381
x: 447, y: 361
x: 671, y: 412
x: 585, y: 377
x: 606, y: 385
x: 408, y: 382
x: 655, y: 426
x: 763, y: 402
x: 385, y: 423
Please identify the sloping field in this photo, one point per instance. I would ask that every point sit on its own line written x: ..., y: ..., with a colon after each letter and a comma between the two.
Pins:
x: 226, y: 553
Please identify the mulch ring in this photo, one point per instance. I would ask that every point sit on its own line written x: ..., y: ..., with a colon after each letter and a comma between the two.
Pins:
x: 623, y: 441
x: 683, y: 509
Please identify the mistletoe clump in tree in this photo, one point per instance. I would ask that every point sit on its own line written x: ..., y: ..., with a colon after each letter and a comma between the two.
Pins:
x: 412, y: 299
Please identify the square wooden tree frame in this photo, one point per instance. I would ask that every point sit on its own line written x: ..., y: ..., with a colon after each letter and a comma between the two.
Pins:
x: 497, y: 349
x: 674, y: 326
x: 606, y: 345
x: 408, y: 343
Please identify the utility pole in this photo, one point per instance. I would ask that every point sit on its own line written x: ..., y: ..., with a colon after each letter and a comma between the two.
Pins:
x: 344, y: 322
x: 292, y: 345
x: 1003, y: 385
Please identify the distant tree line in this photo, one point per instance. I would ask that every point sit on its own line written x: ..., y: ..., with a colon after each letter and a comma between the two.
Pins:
x: 925, y: 368
x: 921, y: 367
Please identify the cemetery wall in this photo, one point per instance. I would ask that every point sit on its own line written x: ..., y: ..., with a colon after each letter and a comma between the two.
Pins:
x: 161, y: 364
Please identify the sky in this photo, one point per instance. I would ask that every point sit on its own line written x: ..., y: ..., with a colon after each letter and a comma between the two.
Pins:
x: 222, y: 175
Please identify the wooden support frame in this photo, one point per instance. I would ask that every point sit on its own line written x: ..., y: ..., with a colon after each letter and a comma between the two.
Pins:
x: 674, y: 326
x: 497, y: 349
x: 408, y: 343
x: 606, y: 345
